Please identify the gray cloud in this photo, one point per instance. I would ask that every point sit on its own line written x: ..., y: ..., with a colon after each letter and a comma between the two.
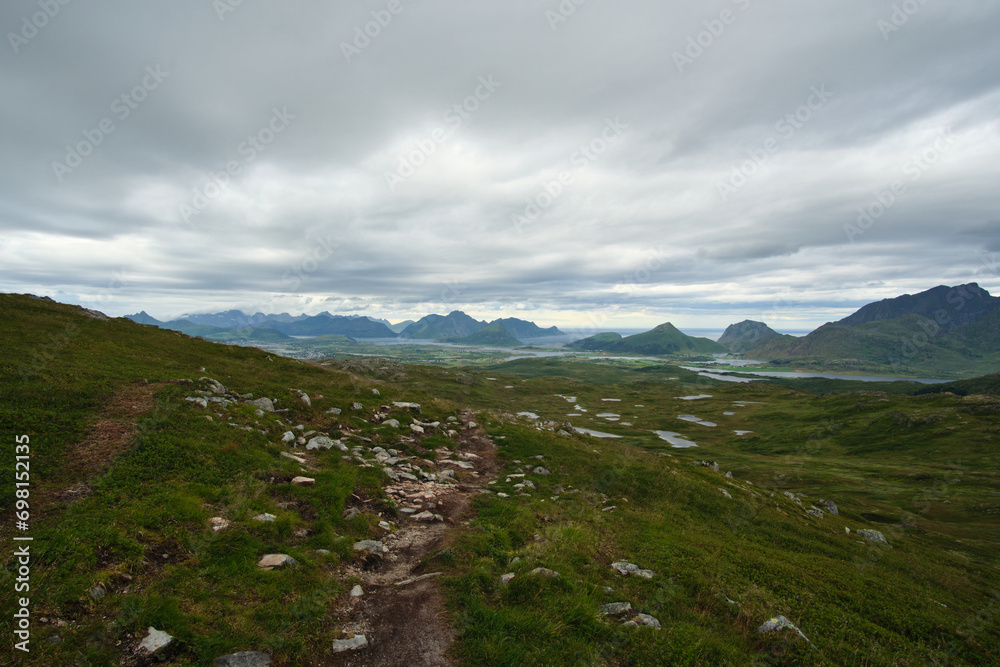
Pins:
x: 730, y: 187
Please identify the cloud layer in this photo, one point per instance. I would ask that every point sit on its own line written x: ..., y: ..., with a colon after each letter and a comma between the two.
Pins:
x: 573, y: 162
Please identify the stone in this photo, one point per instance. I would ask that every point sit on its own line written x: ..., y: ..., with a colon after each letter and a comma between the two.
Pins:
x: 625, y: 568
x: 729, y: 475
x: 829, y: 506
x: 304, y: 397
x: 872, y: 535
x: 326, y: 443
x: 780, y: 623
x: 287, y: 437
x: 471, y: 425
x: 615, y: 609
x: 357, y: 591
x: 97, y: 592
x: 416, y: 429
x: 792, y: 496
x: 541, y: 471
x: 428, y: 517
x: 391, y: 422
x: 505, y: 579
x: 369, y: 547
x: 815, y: 511
x: 197, y: 399
x: 243, y: 659
x: 647, y: 620
x: 355, y: 643
x: 155, y: 640
x: 217, y: 523
x: 265, y: 517
x: 303, y: 481
x: 264, y: 404
x: 546, y: 572
x: 272, y: 561
x: 707, y: 464
x: 351, y: 512
x: 334, y: 411
x: 726, y: 493
x: 357, y: 406
x: 297, y: 459
x: 412, y: 407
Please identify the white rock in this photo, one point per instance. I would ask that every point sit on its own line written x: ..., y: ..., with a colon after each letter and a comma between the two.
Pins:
x: 357, y: 592
x: 218, y: 523
x: 271, y: 561
x: 353, y: 644
x: 303, y: 481
x: 154, y: 640
x: 287, y: 437
x: 265, y: 517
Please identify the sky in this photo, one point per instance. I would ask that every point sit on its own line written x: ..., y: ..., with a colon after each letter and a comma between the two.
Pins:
x: 578, y: 162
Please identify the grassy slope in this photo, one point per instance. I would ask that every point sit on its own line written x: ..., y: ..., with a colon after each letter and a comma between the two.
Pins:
x: 921, y: 469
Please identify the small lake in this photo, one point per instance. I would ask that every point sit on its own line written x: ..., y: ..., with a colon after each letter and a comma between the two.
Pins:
x: 724, y: 375
x: 596, y: 434
x: 675, y: 439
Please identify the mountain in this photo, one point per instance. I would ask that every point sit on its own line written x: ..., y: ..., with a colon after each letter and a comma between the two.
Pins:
x: 495, y: 334
x: 664, y: 339
x: 246, y: 334
x: 748, y: 335
x: 144, y: 318
x: 399, y: 326
x: 190, y: 328
x: 324, y: 323
x: 942, y: 330
x: 523, y: 329
x: 455, y: 324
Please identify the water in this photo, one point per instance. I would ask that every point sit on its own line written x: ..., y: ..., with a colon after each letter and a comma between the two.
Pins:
x: 596, y: 434
x: 675, y: 439
x: 724, y: 375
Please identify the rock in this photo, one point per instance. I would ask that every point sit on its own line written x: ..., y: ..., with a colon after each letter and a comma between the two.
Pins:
x: 829, y: 506
x: 428, y: 517
x: 243, y: 659
x: 375, y: 392
x: 265, y: 517
x: 416, y: 429
x: 369, y: 547
x: 304, y: 397
x: 272, y: 561
x: 214, y: 386
x: 357, y: 406
x: 625, y: 568
x: 264, y: 404
x: 815, y: 511
x: 197, y: 399
x: 541, y: 471
x: 726, y: 493
x: 471, y: 425
x: 97, y: 592
x: 391, y: 422
x: 412, y: 407
x: 615, y: 609
x: 546, y: 572
x: 297, y: 459
x: 357, y: 591
x: 351, y: 512
x: 334, y: 411
x: 792, y: 496
x: 154, y: 640
x: 647, y: 620
x: 729, y: 475
x: 355, y: 643
x: 287, y: 437
x: 452, y: 418
x: 505, y: 579
x: 780, y: 623
x: 872, y: 535
x: 303, y: 481
x: 707, y: 464
x: 326, y: 443
x: 217, y: 523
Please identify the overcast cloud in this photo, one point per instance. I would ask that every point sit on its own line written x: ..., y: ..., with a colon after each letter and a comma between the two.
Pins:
x: 582, y: 162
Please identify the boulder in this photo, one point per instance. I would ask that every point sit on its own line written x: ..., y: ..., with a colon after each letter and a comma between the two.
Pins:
x: 546, y: 572
x: 243, y: 659
x: 780, y: 623
x: 647, y: 620
x: 829, y: 506
x: 264, y: 404
x: 357, y: 406
x: 505, y: 579
x: 154, y: 641
x: 872, y: 535
x: 391, y: 422
x: 272, y: 561
x: 197, y: 399
x: 412, y: 407
x: 369, y: 548
x: 265, y: 517
x: 615, y: 609
x: 541, y: 471
x: 217, y: 523
x: 326, y: 443
x: 355, y: 643
x: 303, y: 481
x: 334, y: 411
x: 304, y: 397
x: 287, y: 437
x: 357, y: 591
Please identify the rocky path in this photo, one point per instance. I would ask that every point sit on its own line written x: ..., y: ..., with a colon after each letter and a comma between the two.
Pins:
x: 401, y: 611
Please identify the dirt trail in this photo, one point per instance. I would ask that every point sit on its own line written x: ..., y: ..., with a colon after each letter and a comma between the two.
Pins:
x: 402, y: 611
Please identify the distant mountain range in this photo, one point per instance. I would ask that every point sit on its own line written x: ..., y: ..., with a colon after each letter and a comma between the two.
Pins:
x: 235, y: 325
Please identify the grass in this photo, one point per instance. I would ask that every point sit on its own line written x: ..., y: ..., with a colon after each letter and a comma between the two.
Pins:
x: 922, y: 469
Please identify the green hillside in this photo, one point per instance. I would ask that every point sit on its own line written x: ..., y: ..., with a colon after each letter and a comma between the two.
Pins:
x: 749, y: 335
x: 494, y: 335
x: 664, y: 339
x: 128, y: 468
